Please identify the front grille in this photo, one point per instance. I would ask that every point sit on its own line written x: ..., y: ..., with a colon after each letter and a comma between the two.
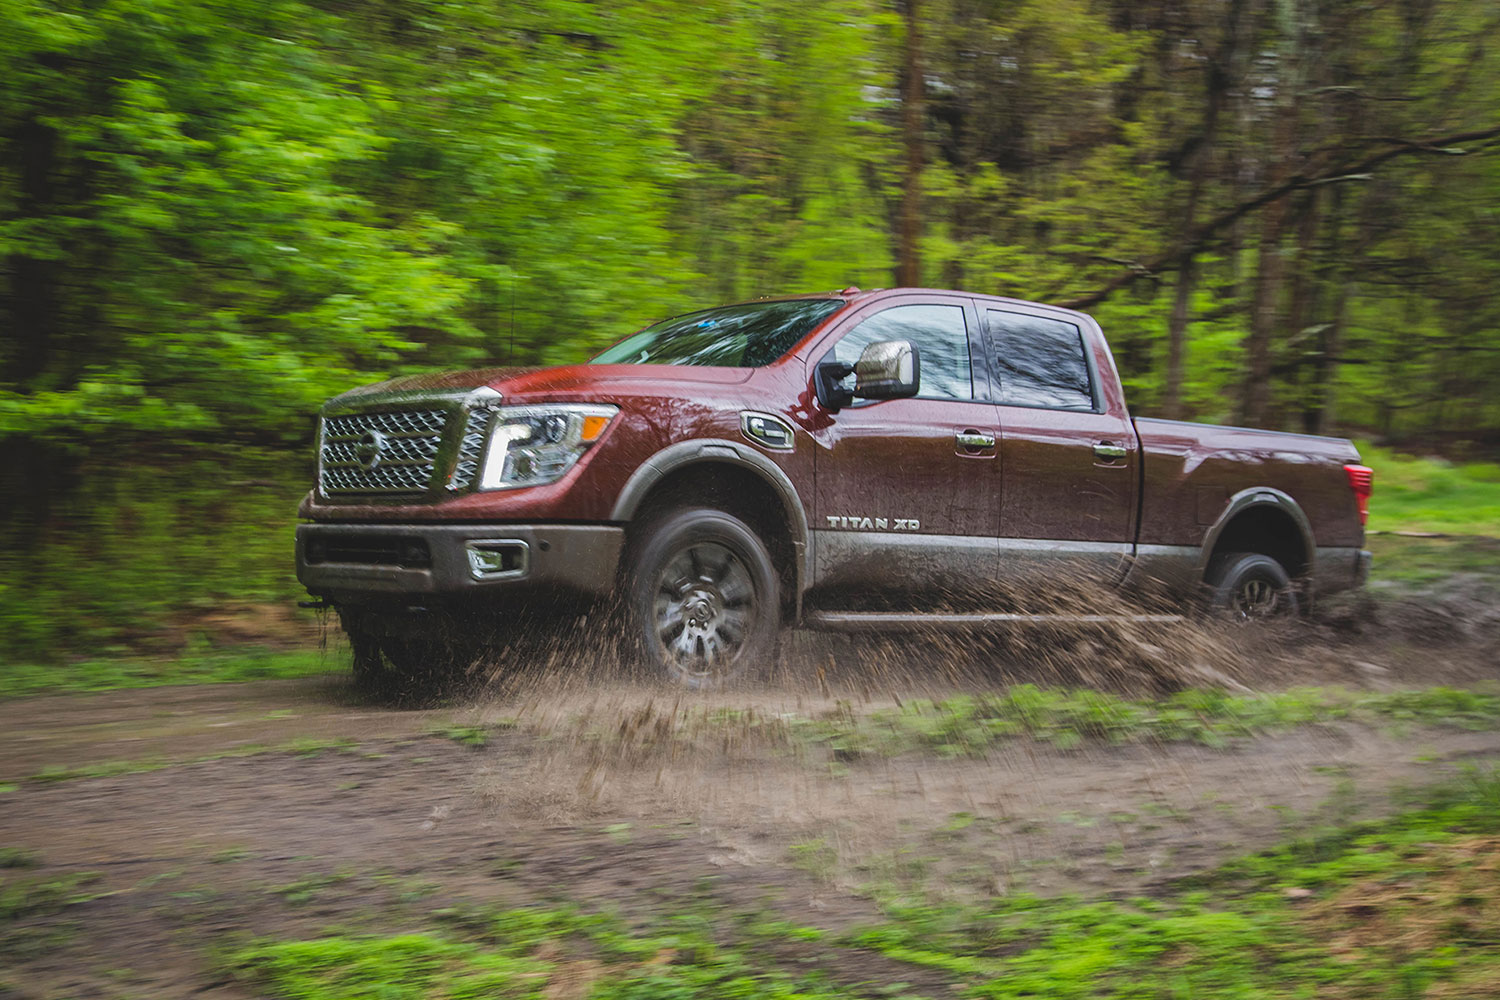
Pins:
x: 470, y: 449
x: 385, y: 452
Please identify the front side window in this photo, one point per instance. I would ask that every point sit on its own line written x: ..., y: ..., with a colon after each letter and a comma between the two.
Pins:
x: 1040, y: 362
x: 743, y: 336
x: 940, y: 335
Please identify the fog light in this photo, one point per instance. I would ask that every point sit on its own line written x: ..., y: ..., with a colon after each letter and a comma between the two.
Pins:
x: 492, y: 559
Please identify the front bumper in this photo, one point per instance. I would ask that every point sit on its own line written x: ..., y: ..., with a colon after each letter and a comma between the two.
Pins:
x: 351, y: 562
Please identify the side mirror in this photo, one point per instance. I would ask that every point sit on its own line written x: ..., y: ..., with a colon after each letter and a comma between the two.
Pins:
x: 886, y: 369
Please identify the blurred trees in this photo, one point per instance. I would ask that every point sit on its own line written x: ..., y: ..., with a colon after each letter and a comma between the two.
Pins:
x: 213, y: 216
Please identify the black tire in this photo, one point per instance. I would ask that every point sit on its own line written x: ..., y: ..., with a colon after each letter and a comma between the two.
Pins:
x: 398, y: 667
x: 704, y: 598
x: 1249, y: 586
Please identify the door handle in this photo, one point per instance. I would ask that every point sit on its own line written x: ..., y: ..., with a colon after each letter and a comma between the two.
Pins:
x: 975, y: 439
x: 1108, y: 451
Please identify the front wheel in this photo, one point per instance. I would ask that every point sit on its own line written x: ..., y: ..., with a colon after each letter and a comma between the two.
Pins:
x: 1249, y: 586
x: 704, y: 597
x: 388, y: 666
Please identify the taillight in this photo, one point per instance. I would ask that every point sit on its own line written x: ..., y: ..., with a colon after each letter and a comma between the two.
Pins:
x: 1361, y: 481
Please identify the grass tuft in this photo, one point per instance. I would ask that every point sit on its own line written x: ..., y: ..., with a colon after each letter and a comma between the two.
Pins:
x: 19, y: 680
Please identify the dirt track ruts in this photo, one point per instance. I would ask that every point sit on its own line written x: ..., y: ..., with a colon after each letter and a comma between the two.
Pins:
x: 376, y: 817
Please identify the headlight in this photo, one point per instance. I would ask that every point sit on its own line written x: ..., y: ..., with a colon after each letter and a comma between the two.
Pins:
x: 532, y: 445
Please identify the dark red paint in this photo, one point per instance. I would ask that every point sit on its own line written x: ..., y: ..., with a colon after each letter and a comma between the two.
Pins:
x: 899, y: 458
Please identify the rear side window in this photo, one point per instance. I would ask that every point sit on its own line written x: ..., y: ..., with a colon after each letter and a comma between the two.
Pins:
x: 940, y: 335
x: 1040, y: 362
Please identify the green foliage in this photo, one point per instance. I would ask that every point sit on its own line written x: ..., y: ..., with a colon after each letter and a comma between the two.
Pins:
x: 149, y: 544
x: 213, y: 217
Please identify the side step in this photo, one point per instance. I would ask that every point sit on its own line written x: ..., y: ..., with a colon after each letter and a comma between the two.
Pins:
x: 894, y: 621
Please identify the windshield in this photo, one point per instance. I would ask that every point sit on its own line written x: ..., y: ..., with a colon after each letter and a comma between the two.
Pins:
x: 743, y: 336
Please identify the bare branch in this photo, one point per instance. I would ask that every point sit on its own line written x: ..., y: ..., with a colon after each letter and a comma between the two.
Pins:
x: 1356, y: 92
x: 1200, y: 235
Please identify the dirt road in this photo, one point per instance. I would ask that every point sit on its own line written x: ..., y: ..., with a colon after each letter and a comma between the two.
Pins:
x: 171, y: 823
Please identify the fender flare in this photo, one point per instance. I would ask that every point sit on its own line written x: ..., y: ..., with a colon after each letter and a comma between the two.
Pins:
x: 683, y: 454
x: 1260, y: 496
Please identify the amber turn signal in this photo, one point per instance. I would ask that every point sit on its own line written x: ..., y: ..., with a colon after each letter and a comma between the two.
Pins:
x: 592, y: 427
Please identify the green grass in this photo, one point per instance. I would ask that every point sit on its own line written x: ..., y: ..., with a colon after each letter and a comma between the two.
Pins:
x: 525, y: 953
x: 1445, y: 563
x: 471, y: 736
x: 972, y: 725
x: 1384, y: 909
x: 32, y: 895
x: 969, y: 725
x: 1405, y: 907
x: 302, y: 747
x: 18, y: 680
x: 1426, y: 494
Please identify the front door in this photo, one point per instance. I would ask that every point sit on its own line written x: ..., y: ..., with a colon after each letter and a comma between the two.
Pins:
x: 906, y: 493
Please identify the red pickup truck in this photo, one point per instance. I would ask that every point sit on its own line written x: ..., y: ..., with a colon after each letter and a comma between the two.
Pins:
x: 842, y: 461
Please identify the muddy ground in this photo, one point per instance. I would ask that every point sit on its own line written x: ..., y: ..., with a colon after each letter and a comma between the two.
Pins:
x: 180, y: 822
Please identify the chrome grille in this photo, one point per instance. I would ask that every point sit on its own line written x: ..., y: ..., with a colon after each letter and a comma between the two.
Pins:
x: 470, y: 450
x: 391, y: 451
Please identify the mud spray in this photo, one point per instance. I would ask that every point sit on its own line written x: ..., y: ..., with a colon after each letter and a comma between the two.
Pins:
x: 582, y: 739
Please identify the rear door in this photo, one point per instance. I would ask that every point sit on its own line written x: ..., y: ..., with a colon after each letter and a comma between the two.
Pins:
x: 1068, y: 448
x: 906, y: 491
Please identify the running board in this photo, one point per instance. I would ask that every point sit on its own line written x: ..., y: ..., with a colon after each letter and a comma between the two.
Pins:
x: 890, y: 621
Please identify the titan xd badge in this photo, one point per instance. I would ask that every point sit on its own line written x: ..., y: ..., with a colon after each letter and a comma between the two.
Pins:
x: 857, y: 523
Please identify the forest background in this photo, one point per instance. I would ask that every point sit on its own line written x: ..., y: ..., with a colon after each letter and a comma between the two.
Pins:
x: 1284, y: 213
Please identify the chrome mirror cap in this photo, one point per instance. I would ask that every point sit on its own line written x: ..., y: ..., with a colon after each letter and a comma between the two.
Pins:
x: 887, y: 369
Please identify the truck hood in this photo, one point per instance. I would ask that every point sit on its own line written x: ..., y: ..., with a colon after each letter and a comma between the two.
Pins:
x: 533, y: 382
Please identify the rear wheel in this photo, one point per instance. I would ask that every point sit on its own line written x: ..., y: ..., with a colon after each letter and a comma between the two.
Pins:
x: 704, y: 598
x: 1249, y: 586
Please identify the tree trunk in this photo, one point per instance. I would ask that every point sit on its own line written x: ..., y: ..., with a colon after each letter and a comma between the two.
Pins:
x: 33, y: 278
x: 1270, y: 268
x: 913, y: 115
x: 1265, y: 316
x: 1187, y: 276
x: 1219, y: 76
x: 28, y: 467
x: 1318, y: 416
x: 1302, y: 302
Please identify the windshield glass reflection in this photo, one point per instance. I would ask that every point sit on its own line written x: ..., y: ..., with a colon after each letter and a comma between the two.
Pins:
x: 743, y: 336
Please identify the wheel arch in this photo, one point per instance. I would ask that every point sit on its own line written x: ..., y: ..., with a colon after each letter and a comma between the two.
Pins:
x: 732, y: 477
x: 1266, y: 521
